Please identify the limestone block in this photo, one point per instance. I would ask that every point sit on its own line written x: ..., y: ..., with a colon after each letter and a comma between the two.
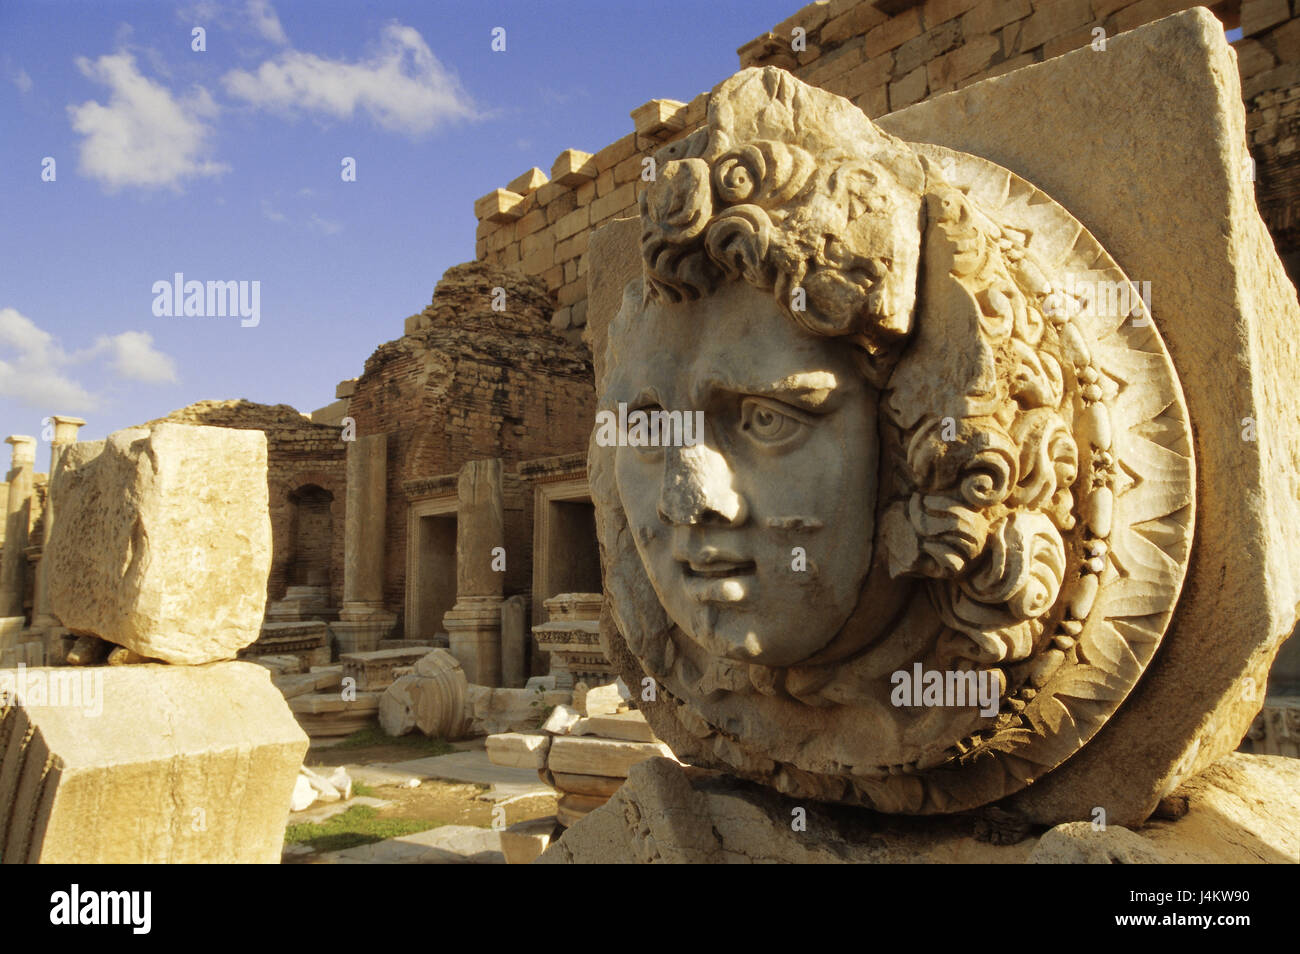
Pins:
x: 1240, y: 811
x: 500, y: 205
x: 527, y: 182
x: 602, y: 700
x: 296, y: 684
x: 147, y: 764
x: 1170, y: 91
x: 561, y: 720
x: 518, y: 749
x: 628, y: 726
x: 502, y: 710
x: 573, y: 167
x: 524, y: 841
x: 659, y: 117
x: 608, y: 757
x: 602, y: 786
x: 570, y: 807
x: 182, y: 541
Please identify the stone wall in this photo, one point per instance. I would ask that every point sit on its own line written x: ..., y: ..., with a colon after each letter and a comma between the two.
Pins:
x: 885, y: 55
x: 467, y: 382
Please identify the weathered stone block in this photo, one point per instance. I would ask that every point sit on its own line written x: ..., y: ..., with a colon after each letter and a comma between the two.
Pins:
x: 518, y: 749
x: 608, y: 757
x: 1170, y: 91
x: 146, y: 764
x: 181, y: 539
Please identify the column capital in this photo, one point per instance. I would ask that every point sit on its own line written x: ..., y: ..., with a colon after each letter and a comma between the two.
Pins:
x: 24, y: 449
x: 65, y: 428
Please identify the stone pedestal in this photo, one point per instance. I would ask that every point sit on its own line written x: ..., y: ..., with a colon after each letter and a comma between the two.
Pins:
x: 43, y: 618
x: 474, y: 630
x: 571, y: 639
x: 18, y: 511
x: 364, y: 634
x: 302, y: 603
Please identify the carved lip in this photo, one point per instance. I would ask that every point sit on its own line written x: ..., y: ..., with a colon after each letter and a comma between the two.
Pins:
x: 719, y: 569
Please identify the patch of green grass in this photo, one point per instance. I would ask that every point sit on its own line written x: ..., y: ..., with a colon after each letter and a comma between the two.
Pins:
x: 361, y: 788
x: 359, y: 825
x: 373, y: 735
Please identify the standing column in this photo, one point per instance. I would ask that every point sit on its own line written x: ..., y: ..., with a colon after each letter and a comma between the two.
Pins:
x: 363, y: 621
x: 65, y: 433
x: 474, y: 623
x: 18, y: 513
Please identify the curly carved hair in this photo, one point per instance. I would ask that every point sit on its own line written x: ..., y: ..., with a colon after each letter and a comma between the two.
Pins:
x: 793, y: 190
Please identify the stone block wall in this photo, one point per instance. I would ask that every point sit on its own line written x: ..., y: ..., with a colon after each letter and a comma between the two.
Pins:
x: 885, y: 55
x: 539, y: 224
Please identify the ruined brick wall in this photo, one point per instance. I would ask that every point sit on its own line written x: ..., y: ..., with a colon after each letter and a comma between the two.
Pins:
x: 300, y: 455
x: 466, y: 383
x: 884, y: 55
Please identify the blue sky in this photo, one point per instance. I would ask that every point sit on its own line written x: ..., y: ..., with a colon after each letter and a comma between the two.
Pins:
x: 224, y: 165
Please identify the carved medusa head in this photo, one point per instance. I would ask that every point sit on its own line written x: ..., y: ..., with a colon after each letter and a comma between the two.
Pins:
x: 907, y: 462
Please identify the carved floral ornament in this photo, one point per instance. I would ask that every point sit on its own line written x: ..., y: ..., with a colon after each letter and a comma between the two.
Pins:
x: 905, y: 379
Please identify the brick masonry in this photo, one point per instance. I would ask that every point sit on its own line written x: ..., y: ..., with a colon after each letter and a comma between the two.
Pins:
x: 468, y: 382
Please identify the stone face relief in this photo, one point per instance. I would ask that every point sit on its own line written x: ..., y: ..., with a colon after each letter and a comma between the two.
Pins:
x: 941, y: 510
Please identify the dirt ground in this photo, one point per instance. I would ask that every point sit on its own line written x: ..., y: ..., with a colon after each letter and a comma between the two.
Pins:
x: 434, y: 800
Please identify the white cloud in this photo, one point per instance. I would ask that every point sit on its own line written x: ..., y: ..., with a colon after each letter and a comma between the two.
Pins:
x: 34, y: 366
x: 401, y: 85
x: 272, y: 214
x: 30, y: 361
x: 145, y: 137
x: 22, y: 80
x: 134, y: 358
x: 266, y: 22
x: 325, y: 226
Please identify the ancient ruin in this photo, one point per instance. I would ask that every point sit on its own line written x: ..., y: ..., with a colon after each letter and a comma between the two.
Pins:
x: 868, y: 441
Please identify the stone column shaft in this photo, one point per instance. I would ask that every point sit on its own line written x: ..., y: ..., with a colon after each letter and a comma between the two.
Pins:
x: 474, y: 623
x: 18, y: 510
x: 65, y: 433
x: 367, y: 503
x: 363, y: 622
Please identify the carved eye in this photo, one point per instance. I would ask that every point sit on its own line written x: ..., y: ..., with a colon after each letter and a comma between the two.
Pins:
x: 768, y: 423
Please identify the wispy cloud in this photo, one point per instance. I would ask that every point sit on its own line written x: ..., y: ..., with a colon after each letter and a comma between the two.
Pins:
x: 266, y: 22
x: 22, y: 80
x: 36, y: 371
x: 401, y: 85
x: 132, y: 356
x: 145, y: 137
x: 325, y: 226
